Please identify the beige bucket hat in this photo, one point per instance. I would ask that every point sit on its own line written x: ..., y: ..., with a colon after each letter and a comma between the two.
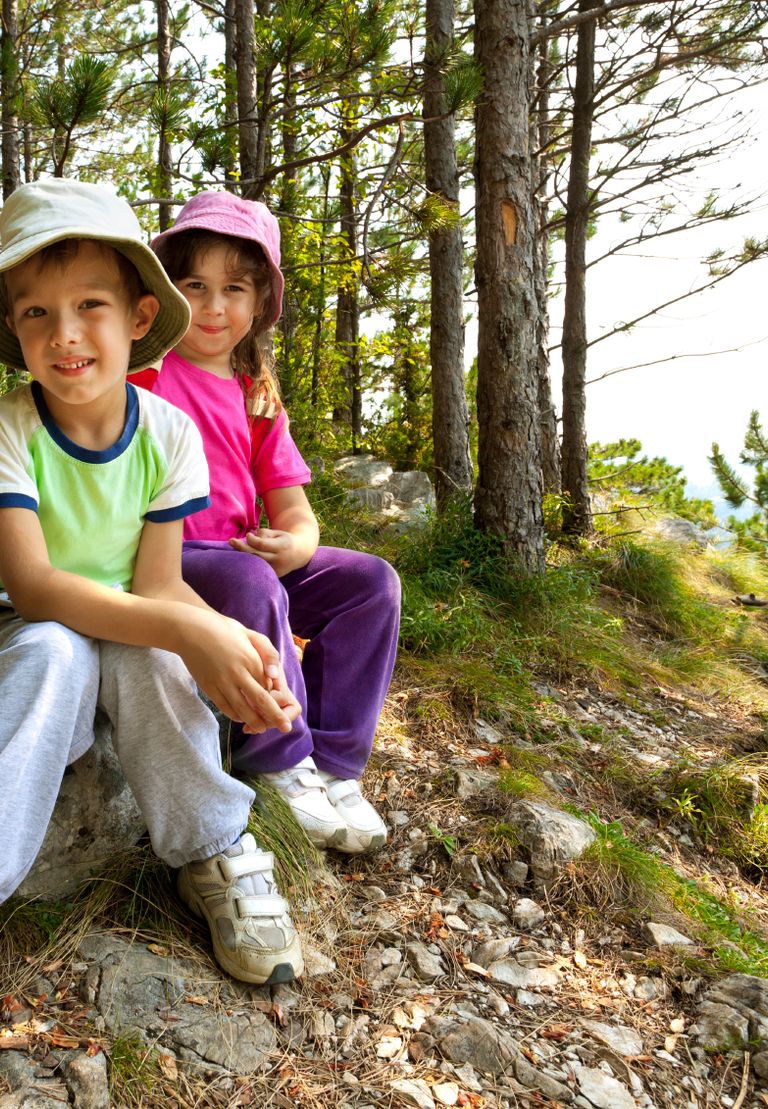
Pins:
x: 44, y: 212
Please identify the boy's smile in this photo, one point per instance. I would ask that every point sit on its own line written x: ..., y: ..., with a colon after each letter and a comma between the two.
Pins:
x: 75, y: 321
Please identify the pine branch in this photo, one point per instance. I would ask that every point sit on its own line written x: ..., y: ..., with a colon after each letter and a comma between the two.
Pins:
x: 733, y: 488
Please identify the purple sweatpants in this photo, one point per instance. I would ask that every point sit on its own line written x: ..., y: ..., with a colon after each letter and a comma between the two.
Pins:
x: 348, y: 605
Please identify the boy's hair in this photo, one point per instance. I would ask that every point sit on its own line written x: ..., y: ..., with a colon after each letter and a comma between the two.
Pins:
x: 41, y: 214
x: 252, y: 357
x: 63, y: 252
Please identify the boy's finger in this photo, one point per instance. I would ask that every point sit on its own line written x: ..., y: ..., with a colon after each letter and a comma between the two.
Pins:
x: 259, y: 702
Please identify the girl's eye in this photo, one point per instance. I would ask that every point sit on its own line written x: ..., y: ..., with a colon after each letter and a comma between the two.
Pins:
x: 34, y: 312
x: 235, y: 289
x: 92, y: 303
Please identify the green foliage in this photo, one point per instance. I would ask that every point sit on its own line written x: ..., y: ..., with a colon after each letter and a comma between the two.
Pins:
x: 751, y: 533
x: 448, y: 842
x: 618, y: 469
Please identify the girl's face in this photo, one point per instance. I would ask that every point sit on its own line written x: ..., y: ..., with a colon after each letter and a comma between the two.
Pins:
x: 224, y: 302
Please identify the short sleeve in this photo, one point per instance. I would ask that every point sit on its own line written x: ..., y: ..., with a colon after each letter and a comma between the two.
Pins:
x: 276, y: 462
x: 184, y: 488
x: 17, y: 488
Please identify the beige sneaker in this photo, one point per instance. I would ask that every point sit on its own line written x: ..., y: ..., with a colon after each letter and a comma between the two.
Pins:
x: 366, y: 831
x: 253, y: 936
x: 304, y: 790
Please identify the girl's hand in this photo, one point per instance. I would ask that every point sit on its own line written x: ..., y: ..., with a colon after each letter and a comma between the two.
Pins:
x: 238, y: 669
x: 281, y: 549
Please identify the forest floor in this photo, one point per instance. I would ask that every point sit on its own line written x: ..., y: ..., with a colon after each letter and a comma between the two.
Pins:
x: 443, y: 970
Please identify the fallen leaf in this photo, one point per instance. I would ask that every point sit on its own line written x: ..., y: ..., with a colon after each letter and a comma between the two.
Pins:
x: 197, y: 999
x: 677, y: 1025
x: 93, y: 1048
x: 48, y: 968
x: 158, y: 949
x: 277, y: 1015
x: 580, y: 959
x: 557, y: 1031
x: 473, y: 968
x: 168, y: 1068
x: 670, y: 1043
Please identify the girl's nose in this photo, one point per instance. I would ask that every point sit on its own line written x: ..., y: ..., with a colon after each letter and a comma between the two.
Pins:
x: 214, y: 303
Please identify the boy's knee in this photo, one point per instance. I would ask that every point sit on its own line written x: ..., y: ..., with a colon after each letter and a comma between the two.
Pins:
x: 49, y: 646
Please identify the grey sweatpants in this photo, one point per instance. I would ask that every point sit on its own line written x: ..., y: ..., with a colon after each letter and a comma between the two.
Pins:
x: 51, y: 681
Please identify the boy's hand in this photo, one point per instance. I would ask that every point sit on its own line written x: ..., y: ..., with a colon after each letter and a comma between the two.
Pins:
x: 238, y: 669
x: 280, y: 549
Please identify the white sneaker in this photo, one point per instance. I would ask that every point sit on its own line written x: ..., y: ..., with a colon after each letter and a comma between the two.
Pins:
x: 253, y: 936
x: 305, y: 792
x: 366, y: 831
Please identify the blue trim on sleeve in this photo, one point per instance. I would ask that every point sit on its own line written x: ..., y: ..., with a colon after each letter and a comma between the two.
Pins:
x: 17, y: 500
x: 81, y: 453
x: 178, y: 512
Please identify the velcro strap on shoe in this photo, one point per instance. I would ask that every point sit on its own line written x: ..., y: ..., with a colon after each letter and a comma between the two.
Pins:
x: 260, y: 863
x: 308, y: 779
x: 344, y: 790
x: 265, y: 905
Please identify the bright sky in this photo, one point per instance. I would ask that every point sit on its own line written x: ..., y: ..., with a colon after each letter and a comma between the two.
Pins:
x: 678, y: 408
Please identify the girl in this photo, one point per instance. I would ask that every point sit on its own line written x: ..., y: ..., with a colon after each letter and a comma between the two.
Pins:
x: 223, y: 254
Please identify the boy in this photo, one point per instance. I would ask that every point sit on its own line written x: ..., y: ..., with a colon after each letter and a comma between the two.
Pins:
x: 96, y: 478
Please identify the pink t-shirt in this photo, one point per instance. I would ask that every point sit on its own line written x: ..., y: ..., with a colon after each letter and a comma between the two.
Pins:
x: 243, y: 463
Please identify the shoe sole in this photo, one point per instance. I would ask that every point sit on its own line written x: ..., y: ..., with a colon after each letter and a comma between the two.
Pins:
x: 374, y: 843
x: 290, y: 967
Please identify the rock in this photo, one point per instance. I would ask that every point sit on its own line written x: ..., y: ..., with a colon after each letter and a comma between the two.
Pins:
x: 475, y: 1041
x: 446, y: 1093
x: 516, y: 872
x: 603, y: 1090
x: 141, y: 991
x: 527, y: 914
x: 535, y: 1079
x: 662, y: 935
x: 530, y: 1000
x: 95, y: 817
x: 733, y: 1013
x: 484, y: 914
x: 493, y: 950
x: 682, y: 532
x: 552, y: 838
x: 511, y: 973
x: 411, y: 487
x: 473, y: 783
x: 86, y: 1080
x: 378, y: 500
x: 427, y: 966
x: 315, y: 962
x: 362, y: 469
x: 624, y: 1041
x: 760, y: 1064
x: 413, y: 1091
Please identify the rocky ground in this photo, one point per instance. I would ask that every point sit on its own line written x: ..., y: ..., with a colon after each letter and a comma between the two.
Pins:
x: 460, y: 965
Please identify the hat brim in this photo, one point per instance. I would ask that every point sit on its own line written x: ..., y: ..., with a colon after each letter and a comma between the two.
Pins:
x: 222, y: 225
x: 169, y: 326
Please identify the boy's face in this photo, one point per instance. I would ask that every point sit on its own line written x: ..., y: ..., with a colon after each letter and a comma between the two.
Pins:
x: 75, y: 323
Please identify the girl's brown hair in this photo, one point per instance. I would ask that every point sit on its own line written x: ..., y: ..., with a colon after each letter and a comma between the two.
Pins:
x: 252, y: 357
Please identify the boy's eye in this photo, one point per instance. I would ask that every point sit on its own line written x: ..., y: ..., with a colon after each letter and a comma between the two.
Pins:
x: 92, y: 303
x: 194, y: 285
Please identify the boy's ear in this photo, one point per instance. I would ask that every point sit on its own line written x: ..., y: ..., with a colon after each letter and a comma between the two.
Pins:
x: 10, y: 323
x: 144, y: 314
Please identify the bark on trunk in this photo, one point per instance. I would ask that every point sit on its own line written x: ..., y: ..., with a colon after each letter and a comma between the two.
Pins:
x: 247, y: 127
x: 165, y: 164
x: 230, y: 94
x: 577, y: 518
x: 541, y: 137
x: 347, y: 305
x: 450, y: 415
x: 508, y: 495
x: 9, y: 76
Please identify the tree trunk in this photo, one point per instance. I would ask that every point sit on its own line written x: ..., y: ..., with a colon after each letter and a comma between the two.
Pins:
x: 577, y: 517
x: 508, y: 494
x: 9, y: 95
x: 230, y: 94
x: 247, y: 127
x: 165, y: 164
x: 347, y: 302
x: 287, y: 205
x: 541, y: 138
x: 450, y: 416
x: 264, y: 73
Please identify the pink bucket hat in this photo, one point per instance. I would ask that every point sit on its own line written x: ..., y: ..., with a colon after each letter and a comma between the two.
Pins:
x: 227, y: 214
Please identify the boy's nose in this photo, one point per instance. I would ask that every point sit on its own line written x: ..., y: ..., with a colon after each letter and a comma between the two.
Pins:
x: 65, y: 329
